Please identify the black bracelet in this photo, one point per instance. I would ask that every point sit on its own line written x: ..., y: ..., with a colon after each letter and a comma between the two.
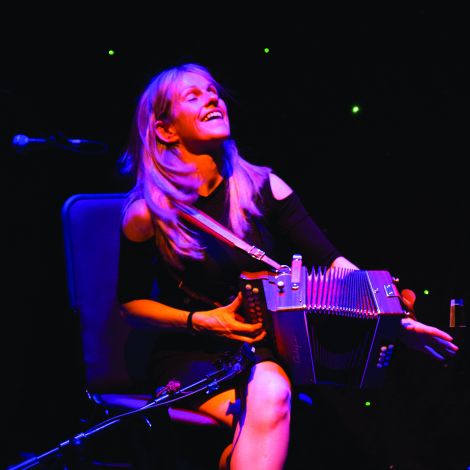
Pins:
x: 189, y: 322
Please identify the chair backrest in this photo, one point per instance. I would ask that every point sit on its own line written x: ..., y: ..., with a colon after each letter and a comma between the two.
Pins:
x: 113, y: 352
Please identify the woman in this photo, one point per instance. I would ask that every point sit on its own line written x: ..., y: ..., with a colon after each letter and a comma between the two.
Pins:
x: 185, y: 282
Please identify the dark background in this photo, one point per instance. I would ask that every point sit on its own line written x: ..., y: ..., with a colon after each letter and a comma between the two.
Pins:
x: 389, y: 185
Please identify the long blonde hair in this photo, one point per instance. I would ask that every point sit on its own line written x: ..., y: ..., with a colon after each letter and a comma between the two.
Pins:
x: 164, y: 180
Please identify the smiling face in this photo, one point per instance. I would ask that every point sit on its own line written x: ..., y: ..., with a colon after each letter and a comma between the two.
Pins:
x: 199, y: 119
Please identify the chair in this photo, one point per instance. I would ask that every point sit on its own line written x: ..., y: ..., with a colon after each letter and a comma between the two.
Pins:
x: 113, y: 371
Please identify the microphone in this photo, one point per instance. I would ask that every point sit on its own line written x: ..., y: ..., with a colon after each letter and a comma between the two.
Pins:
x: 21, y: 140
x: 24, y: 142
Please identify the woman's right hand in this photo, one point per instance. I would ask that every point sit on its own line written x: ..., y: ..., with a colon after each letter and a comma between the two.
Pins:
x: 225, y: 321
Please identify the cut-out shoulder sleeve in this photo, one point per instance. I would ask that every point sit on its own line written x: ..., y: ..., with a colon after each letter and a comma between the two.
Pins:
x: 297, y: 225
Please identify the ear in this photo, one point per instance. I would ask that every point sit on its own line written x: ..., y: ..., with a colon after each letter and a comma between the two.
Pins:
x: 166, y: 132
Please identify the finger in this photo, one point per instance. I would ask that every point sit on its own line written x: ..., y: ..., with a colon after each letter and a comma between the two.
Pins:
x: 446, y: 344
x: 261, y: 336
x: 250, y: 328
x: 419, y: 327
x: 443, y: 349
x: 242, y: 326
x: 433, y: 353
x: 442, y: 335
x: 250, y: 339
x: 240, y: 318
x: 451, y: 352
x: 236, y: 302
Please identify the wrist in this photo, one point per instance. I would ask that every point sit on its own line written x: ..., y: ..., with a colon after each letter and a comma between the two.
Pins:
x: 189, y: 321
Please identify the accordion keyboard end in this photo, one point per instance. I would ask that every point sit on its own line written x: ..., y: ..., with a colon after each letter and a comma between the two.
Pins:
x: 331, y: 327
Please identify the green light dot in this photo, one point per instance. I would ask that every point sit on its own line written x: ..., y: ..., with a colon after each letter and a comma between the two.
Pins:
x: 111, y: 52
x: 266, y: 50
x: 355, y: 109
x: 367, y: 403
x: 425, y: 292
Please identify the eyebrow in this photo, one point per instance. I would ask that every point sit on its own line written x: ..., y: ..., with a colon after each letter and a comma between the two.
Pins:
x: 208, y: 84
x: 189, y: 88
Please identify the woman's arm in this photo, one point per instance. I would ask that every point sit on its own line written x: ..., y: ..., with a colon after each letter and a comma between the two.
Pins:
x: 221, y: 321
x: 137, y: 222
x: 135, y: 283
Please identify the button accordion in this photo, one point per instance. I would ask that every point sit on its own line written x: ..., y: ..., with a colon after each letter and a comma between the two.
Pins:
x: 330, y: 326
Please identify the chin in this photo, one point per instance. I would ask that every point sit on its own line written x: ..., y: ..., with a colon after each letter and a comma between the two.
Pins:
x: 219, y: 137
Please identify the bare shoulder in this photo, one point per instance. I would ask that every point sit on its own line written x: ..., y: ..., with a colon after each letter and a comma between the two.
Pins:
x: 279, y: 187
x: 137, y: 222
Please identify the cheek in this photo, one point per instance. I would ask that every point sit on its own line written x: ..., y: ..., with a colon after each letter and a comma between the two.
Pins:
x: 226, y: 118
x: 184, y: 125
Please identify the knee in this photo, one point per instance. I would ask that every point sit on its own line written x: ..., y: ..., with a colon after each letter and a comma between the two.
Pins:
x: 276, y: 402
x: 269, y: 397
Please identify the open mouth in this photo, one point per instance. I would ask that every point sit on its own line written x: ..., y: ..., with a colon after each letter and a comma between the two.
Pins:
x: 212, y: 115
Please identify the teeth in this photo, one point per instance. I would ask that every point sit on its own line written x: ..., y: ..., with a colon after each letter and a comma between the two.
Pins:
x: 213, y: 114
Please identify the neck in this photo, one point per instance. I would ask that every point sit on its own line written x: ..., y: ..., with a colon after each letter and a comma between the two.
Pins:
x: 209, y: 184
x: 207, y: 170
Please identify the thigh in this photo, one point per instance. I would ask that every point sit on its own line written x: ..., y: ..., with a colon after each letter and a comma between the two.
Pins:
x: 265, y: 380
x: 224, y: 407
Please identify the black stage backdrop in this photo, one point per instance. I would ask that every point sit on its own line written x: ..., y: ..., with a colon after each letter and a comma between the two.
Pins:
x: 389, y: 184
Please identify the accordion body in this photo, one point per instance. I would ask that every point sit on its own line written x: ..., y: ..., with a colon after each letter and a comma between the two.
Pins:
x: 330, y: 326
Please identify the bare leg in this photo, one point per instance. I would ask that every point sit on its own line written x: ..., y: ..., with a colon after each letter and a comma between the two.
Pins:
x: 261, y: 437
x: 224, y: 407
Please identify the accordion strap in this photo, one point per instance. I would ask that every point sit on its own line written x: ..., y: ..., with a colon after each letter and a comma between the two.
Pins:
x: 207, y: 223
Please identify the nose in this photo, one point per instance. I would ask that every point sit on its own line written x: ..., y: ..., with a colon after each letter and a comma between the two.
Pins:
x: 212, y: 98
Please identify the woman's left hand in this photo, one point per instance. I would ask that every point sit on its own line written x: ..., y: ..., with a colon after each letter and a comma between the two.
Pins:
x: 421, y: 337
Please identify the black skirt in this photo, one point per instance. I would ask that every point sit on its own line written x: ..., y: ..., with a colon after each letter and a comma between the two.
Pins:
x: 210, y: 363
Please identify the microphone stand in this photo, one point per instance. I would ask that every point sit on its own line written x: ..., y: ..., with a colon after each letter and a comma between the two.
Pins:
x: 229, y: 367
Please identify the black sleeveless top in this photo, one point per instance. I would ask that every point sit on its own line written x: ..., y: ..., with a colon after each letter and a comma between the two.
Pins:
x: 283, y: 229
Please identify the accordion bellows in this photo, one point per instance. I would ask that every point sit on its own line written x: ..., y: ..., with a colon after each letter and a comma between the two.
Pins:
x: 330, y: 326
